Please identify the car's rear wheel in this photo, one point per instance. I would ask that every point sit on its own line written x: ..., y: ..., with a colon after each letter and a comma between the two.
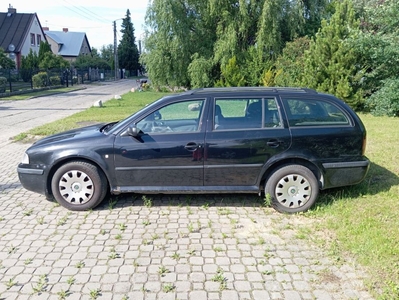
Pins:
x: 79, y: 185
x: 292, y: 188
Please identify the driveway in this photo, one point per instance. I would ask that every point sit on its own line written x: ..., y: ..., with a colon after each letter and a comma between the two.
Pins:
x: 193, y: 247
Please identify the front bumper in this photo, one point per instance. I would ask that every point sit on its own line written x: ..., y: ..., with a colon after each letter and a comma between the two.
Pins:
x: 345, y: 173
x: 34, y: 180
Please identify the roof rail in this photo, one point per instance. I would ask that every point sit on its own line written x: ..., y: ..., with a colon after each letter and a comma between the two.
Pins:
x: 254, y: 89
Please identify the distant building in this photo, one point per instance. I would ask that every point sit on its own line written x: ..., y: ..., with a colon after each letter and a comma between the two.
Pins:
x: 19, y: 33
x: 68, y: 44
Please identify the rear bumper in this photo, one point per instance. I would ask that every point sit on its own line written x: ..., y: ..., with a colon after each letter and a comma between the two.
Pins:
x: 338, y: 174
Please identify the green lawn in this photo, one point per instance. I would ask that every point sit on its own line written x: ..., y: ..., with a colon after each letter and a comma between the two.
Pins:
x: 361, y: 221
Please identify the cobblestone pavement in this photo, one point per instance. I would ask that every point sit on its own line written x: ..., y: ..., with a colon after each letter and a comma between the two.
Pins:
x: 159, y: 247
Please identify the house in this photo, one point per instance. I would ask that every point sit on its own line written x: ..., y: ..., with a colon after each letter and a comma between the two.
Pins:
x: 20, y: 32
x: 68, y: 44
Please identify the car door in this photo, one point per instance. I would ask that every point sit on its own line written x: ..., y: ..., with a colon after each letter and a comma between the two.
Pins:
x: 167, y: 152
x: 245, y: 134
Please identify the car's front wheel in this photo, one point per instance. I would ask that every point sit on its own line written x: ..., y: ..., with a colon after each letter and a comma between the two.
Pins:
x: 79, y: 185
x: 292, y: 188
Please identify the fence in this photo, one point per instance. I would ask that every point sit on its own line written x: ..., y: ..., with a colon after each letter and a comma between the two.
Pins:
x: 25, y: 81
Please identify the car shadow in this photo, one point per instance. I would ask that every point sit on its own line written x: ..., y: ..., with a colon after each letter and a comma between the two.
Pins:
x: 181, y: 200
x: 378, y: 179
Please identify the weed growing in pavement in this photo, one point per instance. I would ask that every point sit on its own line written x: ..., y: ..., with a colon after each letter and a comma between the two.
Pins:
x: 80, y: 264
x: 162, y: 271
x: 71, y: 280
x: 176, y: 256
x: 113, y: 254
x: 62, y: 295
x: 219, y: 277
x: 112, y: 202
x: 224, y: 211
x: 28, y: 261
x: 168, y: 287
x: 146, y: 222
x: 94, y: 294
x: 12, y: 249
x: 63, y: 220
x: 40, y: 220
x: 10, y: 283
x: 2, y: 218
x: 28, y: 212
x: 41, y: 285
x: 146, y: 201
x: 190, y: 227
x: 217, y: 249
x: 122, y: 226
x: 267, y: 201
x: 191, y: 252
x: 118, y: 236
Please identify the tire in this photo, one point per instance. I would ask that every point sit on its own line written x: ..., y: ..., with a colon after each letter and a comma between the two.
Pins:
x: 292, y: 188
x: 79, y: 186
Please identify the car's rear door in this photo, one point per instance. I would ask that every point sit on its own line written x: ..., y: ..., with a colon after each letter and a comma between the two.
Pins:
x: 245, y: 133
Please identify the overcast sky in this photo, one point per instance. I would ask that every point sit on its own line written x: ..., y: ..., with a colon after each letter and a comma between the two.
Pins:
x: 94, y: 17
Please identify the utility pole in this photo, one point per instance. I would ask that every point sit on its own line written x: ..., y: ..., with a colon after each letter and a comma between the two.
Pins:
x: 115, y: 53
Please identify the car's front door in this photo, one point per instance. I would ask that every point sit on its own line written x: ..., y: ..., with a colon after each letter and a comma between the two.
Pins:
x: 166, y: 153
x: 246, y: 133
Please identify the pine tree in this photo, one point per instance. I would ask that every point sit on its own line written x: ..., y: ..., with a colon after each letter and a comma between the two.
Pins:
x: 330, y: 63
x: 128, y: 54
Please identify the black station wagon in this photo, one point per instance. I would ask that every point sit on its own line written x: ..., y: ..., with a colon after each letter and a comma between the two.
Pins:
x: 288, y: 143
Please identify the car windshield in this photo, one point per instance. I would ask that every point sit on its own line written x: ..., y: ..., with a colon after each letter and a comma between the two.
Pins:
x: 117, y: 126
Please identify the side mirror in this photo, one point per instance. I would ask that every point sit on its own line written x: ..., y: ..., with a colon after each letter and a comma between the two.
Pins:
x: 132, y: 131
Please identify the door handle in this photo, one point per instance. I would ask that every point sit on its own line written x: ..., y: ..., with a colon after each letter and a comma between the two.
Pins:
x: 192, y: 146
x: 274, y: 143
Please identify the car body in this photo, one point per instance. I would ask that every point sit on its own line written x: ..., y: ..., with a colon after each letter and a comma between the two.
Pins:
x: 286, y: 142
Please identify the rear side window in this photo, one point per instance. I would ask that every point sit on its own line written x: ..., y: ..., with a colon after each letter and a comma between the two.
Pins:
x: 312, y: 112
x: 246, y: 113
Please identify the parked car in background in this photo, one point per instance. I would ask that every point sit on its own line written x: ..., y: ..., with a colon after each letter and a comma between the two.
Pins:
x: 288, y: 143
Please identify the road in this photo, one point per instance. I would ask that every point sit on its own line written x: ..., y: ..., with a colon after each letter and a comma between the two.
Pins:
x: 139, y: 247
x: 20, y: 116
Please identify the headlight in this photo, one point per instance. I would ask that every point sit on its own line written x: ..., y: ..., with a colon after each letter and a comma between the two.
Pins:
x: 25, y: 159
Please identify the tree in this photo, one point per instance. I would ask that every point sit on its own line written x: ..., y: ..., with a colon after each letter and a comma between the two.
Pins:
x: 331, y: 63
x: 52, y: 61
x: 108, y: 55
x: 6, y: 62
x: 289, y: 66
x: 128, y: 54
x: 43, y: 49
x: 29, y: 63
x: 182, y: 34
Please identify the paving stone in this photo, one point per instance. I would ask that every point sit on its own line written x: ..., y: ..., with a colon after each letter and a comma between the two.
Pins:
x: 259, y: 261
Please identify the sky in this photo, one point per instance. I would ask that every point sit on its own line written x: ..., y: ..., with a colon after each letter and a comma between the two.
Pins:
x: 94, y: 17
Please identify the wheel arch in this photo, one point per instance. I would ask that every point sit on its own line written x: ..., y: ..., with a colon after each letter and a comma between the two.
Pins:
x: 66, y: 160
x: 271, y: 168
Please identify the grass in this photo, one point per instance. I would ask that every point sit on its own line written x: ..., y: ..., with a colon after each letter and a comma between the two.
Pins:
x: 42, y: 93
x: 362, y: 220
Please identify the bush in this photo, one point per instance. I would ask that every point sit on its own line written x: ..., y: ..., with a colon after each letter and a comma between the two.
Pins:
x: 3, y: 82
x: 55, y: 80
x: 40, y: 80
x: 385, y: 102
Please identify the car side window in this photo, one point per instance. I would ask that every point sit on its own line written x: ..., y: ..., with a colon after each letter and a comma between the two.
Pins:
x: 245, y: 113
x: 182, y: 116
x: 312, y: 112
